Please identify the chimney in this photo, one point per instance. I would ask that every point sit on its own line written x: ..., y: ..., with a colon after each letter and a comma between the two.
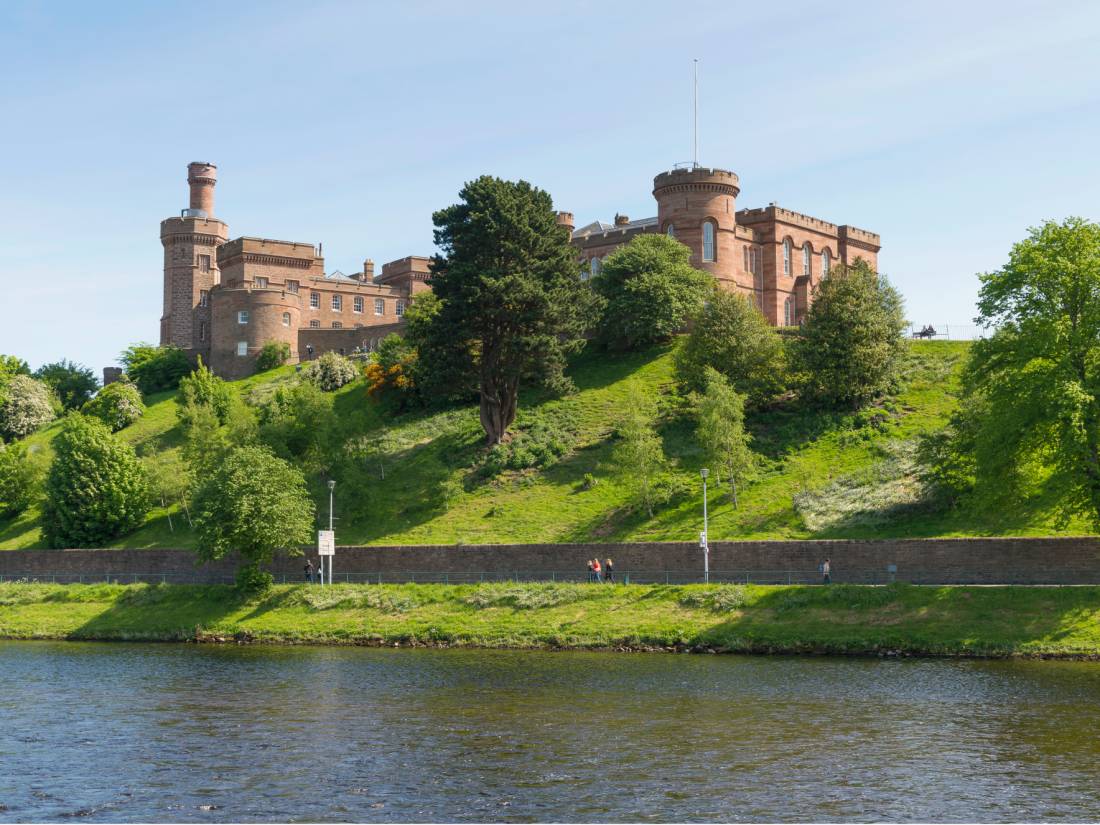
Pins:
x: 202, y: 177
x: 621, y: 220
x: 368, y: 270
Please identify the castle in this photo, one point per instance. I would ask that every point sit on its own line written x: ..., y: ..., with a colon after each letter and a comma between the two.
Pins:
x: 225, y: 299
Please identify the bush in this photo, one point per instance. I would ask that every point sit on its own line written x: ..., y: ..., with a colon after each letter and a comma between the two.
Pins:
x: 331, y: 371
x: 26, y: 405
x: 274, y: 354
x: 850, y: 347
x: 117, y: 405
x: 732, y: 336
x: 203, y: 388
x: 391, y: 369
x: 96, y: 489
x: 19, y: 479
x: 155, y: 369
x: 651, y: 290
x: 73, y: 384
x: 539, y: 441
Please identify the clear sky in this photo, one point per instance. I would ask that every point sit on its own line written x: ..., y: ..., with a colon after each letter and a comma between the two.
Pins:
x: 948, y: 128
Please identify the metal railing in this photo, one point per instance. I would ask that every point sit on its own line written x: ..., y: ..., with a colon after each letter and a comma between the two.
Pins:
x: 469, y: 577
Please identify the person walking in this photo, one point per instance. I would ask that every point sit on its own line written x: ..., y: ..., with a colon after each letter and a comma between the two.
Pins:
x: 590, y: 571
x: 825, y: 570
x: 309, y: 571
x: 608, y: 571
x: 596, y: 570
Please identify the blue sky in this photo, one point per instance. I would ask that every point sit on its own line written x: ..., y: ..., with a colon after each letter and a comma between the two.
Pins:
x: 949, y: 128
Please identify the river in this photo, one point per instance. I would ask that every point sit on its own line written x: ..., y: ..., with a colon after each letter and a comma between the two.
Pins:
x: 119, y: 732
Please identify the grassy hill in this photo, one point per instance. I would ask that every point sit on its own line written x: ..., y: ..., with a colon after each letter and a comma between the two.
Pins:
x: 825, y: 475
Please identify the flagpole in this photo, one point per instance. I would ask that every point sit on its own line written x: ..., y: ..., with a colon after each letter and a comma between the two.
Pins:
x: 695, y: 154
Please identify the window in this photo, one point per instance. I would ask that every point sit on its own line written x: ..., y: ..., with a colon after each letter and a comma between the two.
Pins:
x: 286, y: 319
x: 261, y: 283
x: 357, y: 304
x: 358, y: 326
x: 242, y: 316
x: 400, y: 308
x: 746, y: 251
x: 786, y: 257
x: 824, y: 262
x: 204, y: 298
x: 337, y: 303
x: 315, y: 324
x: 708, y: 241
x: 337, y: 325
x: 204, y: 263
x: 315, y: 300
x: 242, y: 348
x: 671, y: 231
x: 788, y: 313
x: 594, y: 267
x: 379, y: 306
x: 752, y: 260
x: 806, y: 259
x: 292, y: 287
x: 202, y: 330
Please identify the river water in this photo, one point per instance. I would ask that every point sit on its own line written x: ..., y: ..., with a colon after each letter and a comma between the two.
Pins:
x: 116, y: 732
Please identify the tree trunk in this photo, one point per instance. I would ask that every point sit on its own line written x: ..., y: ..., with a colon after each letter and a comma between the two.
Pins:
x: 1092, y: 458
x: 733, y: 491
x: 498, y: 405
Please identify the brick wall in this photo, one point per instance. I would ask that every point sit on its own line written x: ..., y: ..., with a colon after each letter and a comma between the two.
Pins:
x: 922, y: 561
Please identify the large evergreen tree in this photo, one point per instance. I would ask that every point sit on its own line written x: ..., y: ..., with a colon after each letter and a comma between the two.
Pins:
x: 511, y: 304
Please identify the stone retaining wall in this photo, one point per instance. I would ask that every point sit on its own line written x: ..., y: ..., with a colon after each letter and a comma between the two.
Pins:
x: 1074, y: 560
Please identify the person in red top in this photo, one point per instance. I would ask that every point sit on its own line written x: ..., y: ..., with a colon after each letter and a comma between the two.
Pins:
x: 596, y: 569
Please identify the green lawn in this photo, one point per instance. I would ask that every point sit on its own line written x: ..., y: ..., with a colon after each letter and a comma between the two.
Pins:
x: 983, y: 621
x: 825, y: 475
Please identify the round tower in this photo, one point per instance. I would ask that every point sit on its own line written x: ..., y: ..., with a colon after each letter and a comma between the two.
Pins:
x: 202, y: 178
x: 565, y: 219
x: 698, y: 207
x: 244, y: 319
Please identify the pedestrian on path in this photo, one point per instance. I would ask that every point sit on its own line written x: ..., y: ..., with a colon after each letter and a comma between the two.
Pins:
x: 596, y: 570
x: 825, y: 570
x: 591, y: 571
x: 309, y: 571
x: 608, y: 571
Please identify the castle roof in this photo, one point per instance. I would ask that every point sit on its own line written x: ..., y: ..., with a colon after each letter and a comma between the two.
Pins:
x: 600, y: 228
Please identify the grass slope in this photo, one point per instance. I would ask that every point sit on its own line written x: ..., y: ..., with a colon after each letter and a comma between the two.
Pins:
x: 982, y: 621
x: 825, y: 474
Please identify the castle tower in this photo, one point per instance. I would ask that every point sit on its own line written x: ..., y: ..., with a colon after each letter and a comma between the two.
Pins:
x: 191, y: 264
x: 698, y: 207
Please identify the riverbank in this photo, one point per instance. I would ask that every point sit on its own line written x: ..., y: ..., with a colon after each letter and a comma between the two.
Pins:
x: 845, y: 619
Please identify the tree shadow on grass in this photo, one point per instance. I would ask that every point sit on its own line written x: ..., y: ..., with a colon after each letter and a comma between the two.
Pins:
x: 160, y: 612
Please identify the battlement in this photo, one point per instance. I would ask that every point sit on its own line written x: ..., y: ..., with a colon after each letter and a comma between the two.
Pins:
x: 772, y: 212
x: 853, y: 233
x: 416, y: 265
x: 698, y: 177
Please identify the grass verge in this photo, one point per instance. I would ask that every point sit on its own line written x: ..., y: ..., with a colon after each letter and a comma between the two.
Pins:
x: 846, y: 619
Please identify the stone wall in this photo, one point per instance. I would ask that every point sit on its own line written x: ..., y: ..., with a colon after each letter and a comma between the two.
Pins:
x: 922, y: 561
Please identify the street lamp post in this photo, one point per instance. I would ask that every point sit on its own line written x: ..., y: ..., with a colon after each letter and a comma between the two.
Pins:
x: 704, y: 536
x: 331, y: 487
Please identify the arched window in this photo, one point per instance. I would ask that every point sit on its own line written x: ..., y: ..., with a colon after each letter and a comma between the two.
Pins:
x: 708, y: 241
x: 671, y: 231
x: 788, y: 313
x: 787, y: 257
x: 286, y: 319
x: 824, y: 262
x: 806, y: 259
x: 594, y: 267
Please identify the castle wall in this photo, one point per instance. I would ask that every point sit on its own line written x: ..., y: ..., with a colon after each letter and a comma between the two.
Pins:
x: 190, y: 268
x: 273, y: 315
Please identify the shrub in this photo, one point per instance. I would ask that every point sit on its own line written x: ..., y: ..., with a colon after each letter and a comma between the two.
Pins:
x: 274, y: 354
x: 732, y: 336
x: 539, y: 441
x: 73, y: 384
x: 392, y: 369
x: 26, y: 405
x: 117, y: 405
x: 331, y: 371
x: 203, y: 388
x: 155, y: 369
x: 850, y: 347
x: 96, y: 489
x: 19, y: 479
x: 651, y: 290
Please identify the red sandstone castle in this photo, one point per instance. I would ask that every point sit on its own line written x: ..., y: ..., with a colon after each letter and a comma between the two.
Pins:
x: 225, y: 299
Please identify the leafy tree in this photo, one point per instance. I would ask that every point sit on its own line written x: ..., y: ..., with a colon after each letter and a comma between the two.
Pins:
x: 511, y: 304
x: 1032, y: 390
x: 169, y: 482
x: 11, y: 366
x: 331, y: 371
x: 203, y: 388
x: 254, y: 504
x: 117, y: 405
x: 721, y: 430
x: 298, y: 423
x: 392, y: 369
x: 850, y: 347
x: 155, y: 369
x: 650, y: 291
x: 20, y: 478
x: 73, y: 384
x: 732, y: 336
x: 274, y: 354
x: 205, y: 440
x: 639, y: 454
x: 25, y: 406
x: 96, y: 489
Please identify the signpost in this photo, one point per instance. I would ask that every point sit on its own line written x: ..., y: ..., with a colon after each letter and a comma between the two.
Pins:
x: 326, y: 546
